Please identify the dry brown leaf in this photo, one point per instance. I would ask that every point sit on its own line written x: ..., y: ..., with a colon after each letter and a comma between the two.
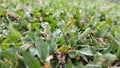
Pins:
x: 69, y: 50
x: 39, y: 2
x: 89, y: 16
x: 13, y: 16
x: 46, y: 65
x: 45, y: 36
x: 81, y: 22
x: 40, y: 19
x: 101, y: 41
x: 49, y: 58
x: 77, y: 58
x: 7, y: 61
x: 61, y: 57
x: 16, y: 58
x: 25, y: 46
x: 114, y: 64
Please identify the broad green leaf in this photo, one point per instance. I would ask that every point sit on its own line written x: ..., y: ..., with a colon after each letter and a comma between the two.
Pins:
x: 37, y: 27
x: 52, y: 21
x: 86, y: 51
x: 78, y: 64
x: 3, y: 64
x: 60, y: 40
x: 30, y: 61
x: 74, y: 53
x: 69, y: 64
x: 93, y: 49
x: 92, y: 66
x: 113, y: 42
x: 53, y: 46
x: 13, y: 32
x: 108, y: 49
x: 118, y: 52
x: 31, y: 35
x: 97, y: 58
x: 23, y: 22
x: 110, y: 56
x: 102, y: 31
x: 10, y: 53
x: 42, y: 48
x: 12, y: 39
x: 80, y: 36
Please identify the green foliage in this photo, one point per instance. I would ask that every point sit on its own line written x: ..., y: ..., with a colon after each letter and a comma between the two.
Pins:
x: 63, y: 49
x: 30, y: 62
x: 43, y: 49
x: 59, y: 33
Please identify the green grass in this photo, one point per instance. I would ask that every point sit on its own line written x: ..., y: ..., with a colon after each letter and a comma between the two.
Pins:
x: 59, y: 33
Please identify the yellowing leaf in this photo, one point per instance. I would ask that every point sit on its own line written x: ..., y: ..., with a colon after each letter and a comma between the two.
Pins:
x: 63, y: 49
x: 69, y: 24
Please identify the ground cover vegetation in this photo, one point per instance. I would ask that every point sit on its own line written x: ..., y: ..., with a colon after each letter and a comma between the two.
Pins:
x: 59, y: 34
